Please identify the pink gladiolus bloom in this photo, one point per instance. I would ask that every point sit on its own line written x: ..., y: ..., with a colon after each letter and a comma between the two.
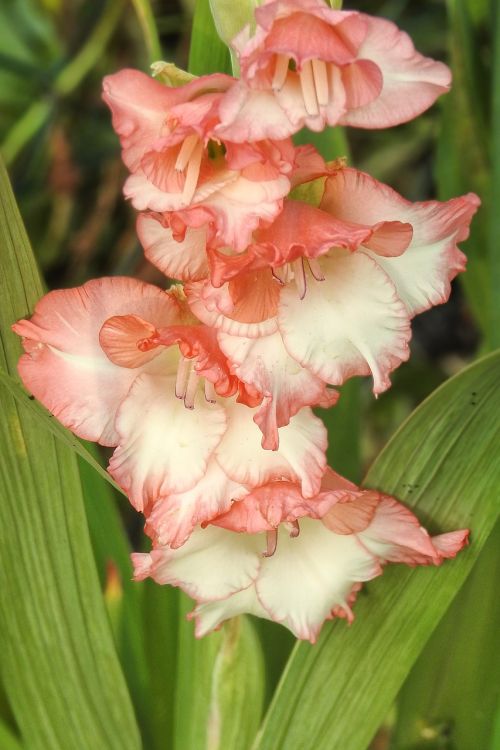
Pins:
x: 179, y: 164
x: 297, y: 561
x: 333, y: 289
x: 307, y: 64
x: 127, y: 365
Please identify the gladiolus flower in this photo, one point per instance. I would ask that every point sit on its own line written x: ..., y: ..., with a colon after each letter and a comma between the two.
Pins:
x: 297, y: 561
x: 127, y: 365
x: 181, y: 166
x: 307, y: 64
x: 337, y: 284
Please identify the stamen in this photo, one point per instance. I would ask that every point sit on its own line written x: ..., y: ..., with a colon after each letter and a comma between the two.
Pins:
x: 316, y: 269
x: 185, y: 152
x: 308, y: 89
x: 183, y: 371
x: 280, y: 274
x: 210, y: 394
x: 192, y: 386
x: 300, y: 277
x: 295, y: 530
x: 280, y: 72
x: 320, y: 74
x: 272, y: 543
x: 192, y: 173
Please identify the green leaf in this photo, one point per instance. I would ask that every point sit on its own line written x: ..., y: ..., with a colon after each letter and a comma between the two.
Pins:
x: 455, y: 691
x: 47, y: 421
x: 231, y: 17
x: 495, y: 196
x: 443, y: 463
x: 8, y: 740
x: 64, y: 682
x: 207, y: 53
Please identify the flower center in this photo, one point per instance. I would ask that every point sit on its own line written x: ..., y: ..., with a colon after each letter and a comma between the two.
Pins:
x: 187, y: 382
x: 296, y: 270
x: 189, y: 163
x: 316, y: 81
x: 293, y: 529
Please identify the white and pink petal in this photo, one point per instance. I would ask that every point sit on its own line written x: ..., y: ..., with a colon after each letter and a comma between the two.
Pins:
x: 351, y: 323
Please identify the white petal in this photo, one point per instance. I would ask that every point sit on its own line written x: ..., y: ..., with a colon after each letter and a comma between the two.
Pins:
x: 352, y: 323
x: 301, y: 454
x: 309, y: 575
x: 163, y: 447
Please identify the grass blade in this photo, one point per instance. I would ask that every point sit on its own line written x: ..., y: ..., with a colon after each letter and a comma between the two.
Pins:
x: 62, y: 675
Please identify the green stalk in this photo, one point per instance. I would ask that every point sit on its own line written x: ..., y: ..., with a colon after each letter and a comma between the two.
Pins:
x: 149, y: 30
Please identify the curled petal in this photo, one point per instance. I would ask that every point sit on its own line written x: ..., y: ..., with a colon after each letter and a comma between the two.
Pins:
x: 177, y: 258
x: 411, y: 82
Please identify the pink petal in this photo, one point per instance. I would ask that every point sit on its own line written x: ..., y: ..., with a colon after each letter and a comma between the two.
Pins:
x: 140, y: 106
x: 411, y: 82
x: 164, y: 447
x: 422, y: 274
x: 65, y: 367
x: 352, y: 323
x: 245, y: 306
x: 200, y: 343
x: 395, y: 535
x: 286, y: 387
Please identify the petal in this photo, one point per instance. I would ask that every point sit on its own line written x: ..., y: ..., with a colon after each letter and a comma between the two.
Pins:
x: 301, y: 455
x: 310, y: 575
x: 185, y: 259
x: 241, y: 118
x: 352, y: 323
x: 421, y: 274
x: 246, y: 306
x: 210, y: 615
x: 140, y: 107
x: 65, y: 367
x: 164, y: 447
x: 212, y: 565
x: 173, y: 518
x: 411, y: 82
x: 269, y: 505
x: 395, y: 535
x: 353, y: 513
x: 286, y: 386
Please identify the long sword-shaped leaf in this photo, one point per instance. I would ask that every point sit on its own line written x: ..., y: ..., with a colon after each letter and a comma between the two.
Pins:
x: 444, y: 463
x: 61, y: 671
x: 454, y: 688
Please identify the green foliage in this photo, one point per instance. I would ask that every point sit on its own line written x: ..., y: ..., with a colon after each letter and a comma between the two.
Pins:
x: 64, y: 681
x: 442, y: 462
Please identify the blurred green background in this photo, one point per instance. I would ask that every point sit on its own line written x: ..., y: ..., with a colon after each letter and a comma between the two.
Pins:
x: 64, y: 160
